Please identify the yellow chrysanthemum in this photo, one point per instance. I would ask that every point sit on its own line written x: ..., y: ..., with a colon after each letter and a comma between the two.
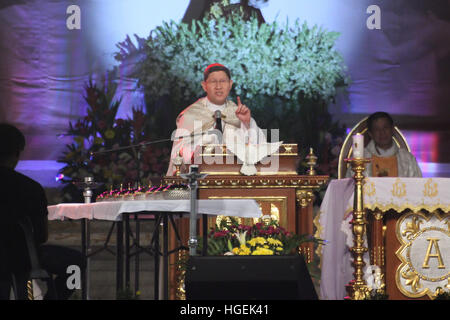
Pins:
x: 244, y: 250
x: 262, y: 252
x: 274, y: 242
x: 258, y: 240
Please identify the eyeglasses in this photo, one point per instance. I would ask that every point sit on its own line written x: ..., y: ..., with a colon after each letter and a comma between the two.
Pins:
x: 216, y: 82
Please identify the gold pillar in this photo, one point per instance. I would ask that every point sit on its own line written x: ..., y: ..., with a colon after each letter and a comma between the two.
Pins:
x: 30, y: 294
x: 304, y: 198
x: 357, y: 288
x: 377, y: 243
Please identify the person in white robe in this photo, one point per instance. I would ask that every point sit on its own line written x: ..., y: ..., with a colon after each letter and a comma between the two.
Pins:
x: 382, y: 146
x: 196, y: 122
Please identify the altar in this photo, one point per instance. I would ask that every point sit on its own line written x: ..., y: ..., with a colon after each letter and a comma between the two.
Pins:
x: 408, y: 235
x: 280, y: 192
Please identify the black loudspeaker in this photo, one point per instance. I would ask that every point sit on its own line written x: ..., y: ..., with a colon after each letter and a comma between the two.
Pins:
x: 248, y: 278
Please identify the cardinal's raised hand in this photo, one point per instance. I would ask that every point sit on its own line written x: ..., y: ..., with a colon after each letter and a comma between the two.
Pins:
x: 243, y: 113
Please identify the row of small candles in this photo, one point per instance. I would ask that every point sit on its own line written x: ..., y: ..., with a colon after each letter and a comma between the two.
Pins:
x: 157, y: 192
x: 138, y: 193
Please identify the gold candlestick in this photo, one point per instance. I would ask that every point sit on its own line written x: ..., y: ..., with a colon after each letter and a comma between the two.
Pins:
x: 311, y: 162
x: 178, y: 162
x: 357, y: 288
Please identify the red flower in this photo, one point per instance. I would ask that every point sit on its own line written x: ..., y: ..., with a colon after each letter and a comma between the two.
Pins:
x: 258, y: 225
x: 244, y: 227
x: 220, y: 234
x: 270, y: 230
x: 101, y: 124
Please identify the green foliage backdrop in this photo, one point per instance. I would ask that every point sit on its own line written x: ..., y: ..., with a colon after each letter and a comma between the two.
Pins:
x: 287, y: 75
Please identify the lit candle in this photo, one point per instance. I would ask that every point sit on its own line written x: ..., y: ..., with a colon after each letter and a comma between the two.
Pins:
x: 358, y: 146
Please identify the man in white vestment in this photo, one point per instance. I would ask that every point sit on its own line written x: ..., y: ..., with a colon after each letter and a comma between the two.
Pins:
x: 196, y: 122
x: 388, y: 160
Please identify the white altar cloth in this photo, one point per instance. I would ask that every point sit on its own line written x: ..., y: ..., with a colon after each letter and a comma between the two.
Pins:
x: 112, y: 210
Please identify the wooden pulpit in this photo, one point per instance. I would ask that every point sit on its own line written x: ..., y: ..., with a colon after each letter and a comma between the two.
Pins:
x: 280, y: 192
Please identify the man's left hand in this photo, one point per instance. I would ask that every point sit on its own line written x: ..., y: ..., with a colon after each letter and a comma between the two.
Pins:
x: 243, y: 113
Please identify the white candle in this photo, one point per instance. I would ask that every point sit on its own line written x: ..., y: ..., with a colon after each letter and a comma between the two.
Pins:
x: 358, y: 146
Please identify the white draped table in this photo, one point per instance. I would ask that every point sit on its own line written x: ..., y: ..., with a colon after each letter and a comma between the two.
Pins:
x: 399, y: 194
x: 115, y: 210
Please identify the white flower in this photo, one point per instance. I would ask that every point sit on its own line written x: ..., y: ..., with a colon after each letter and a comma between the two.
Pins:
x: 241, y: 237
x: 368, y: 276
x: 377, y: 278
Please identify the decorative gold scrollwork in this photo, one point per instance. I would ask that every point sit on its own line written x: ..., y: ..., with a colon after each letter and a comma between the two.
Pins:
x: 412, y: 228
x: 421, y: 235
x: 219, y: 182
x: 430, y: 189
x: 287, y: 148
x: 413, y: 280
x: 249, y: 182
x: 369, y: 189
x: 304, y: 197
x: 399, y: 189
x: 180, y: 289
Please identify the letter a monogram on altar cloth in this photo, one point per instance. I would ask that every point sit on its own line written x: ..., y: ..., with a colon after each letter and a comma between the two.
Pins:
x: 424, y: 254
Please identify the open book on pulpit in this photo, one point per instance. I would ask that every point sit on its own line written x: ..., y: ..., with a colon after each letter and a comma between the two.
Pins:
x: 261, y: 159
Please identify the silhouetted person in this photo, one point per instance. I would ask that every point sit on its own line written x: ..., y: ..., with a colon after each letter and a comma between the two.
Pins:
x: 197, y: 9
x: 21, y: 196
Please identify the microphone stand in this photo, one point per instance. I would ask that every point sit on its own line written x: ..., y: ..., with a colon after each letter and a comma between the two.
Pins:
x: 141, y: 144
x: 192, y: 177
x: 130, y: 146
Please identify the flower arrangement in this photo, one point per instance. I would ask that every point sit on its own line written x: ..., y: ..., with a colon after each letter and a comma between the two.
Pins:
x: 262, y: 238
x: 288, y: 74
x: 271, y: 60
x: 375, y: 282
x: 99, y: 131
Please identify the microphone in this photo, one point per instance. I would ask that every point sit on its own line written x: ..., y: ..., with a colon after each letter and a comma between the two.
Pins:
x: 218, y: 117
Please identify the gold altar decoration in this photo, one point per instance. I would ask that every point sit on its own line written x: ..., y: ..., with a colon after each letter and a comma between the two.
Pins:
x: 408, y: 222
x: 181, y: 274
x: 311, y: 161
x: 178, y: 162
x: 30, y: 293
x: 425, y: 262
x: 357, y: 288
x: 279, y: 191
